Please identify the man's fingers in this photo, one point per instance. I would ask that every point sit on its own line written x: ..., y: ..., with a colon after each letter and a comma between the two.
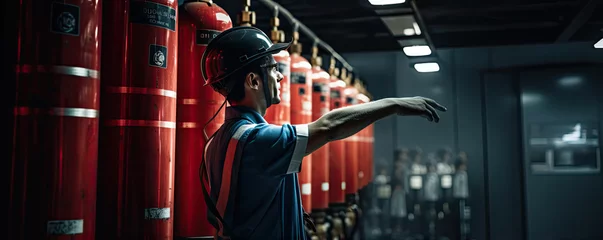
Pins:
x: 435, y: 104
x: 428, y: 114
x: 433, y: 112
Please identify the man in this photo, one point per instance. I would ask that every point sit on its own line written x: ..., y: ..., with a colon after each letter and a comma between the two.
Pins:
x: 251, y: 166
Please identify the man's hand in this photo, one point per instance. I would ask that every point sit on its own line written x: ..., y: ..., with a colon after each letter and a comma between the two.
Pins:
x: 419, y: 106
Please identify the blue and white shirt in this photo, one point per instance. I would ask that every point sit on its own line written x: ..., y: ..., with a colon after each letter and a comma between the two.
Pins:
x: 265, y: 202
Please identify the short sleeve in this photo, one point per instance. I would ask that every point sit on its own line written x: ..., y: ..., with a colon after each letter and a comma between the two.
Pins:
x: 278, y: 150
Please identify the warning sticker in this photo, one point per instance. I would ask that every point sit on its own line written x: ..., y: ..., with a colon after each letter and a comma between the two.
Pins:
x: 298, y: 77
x: 158, y: 56
x: 154, y: 14
x: 204, y: 36
x: 65, y: 19
x: 335, y: 94
x: 350, y: 100
x: 320, y: 87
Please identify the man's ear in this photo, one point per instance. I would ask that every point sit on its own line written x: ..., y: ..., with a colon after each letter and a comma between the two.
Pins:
x: 252, y: 81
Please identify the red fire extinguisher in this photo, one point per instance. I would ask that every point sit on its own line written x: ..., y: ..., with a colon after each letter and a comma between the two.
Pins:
x: 301, y: 111
x: 198, y: 23
x: 320, y: 158
x: 351, y: 145
x: 54, y: 159
x: 337, y: 152
x: 281, y: 113
x: 138, y: 124
x: 364, y: 168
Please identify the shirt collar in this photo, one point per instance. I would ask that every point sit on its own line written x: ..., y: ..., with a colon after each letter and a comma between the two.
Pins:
x: 244, y: 112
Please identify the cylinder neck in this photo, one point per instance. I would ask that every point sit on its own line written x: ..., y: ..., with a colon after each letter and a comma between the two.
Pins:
x: 296, y: 47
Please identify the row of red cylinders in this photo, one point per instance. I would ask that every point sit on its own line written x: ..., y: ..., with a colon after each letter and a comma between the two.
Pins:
x: 338, y: 168
x: 145, y: 115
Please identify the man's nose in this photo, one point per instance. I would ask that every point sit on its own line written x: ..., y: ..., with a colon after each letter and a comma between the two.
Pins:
x: 279, y: 76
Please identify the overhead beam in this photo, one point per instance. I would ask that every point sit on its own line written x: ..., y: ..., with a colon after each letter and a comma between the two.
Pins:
x: 513, y: 8
x: 451, y: 28
x: 579, y: 20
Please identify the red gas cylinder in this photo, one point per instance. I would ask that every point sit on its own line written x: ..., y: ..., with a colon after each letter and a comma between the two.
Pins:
x: 320, y: 158
x: 280, y: 114
x: 337, y: 181
x: 301, y: 112
x: 360, y: 138
x: 198, y: 23
x: 54, y: 159
x: 371, y: 143
x: 138, y: 124
x: 351, y: 146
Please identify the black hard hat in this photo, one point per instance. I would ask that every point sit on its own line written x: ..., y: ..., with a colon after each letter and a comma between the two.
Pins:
x: 234, y: 49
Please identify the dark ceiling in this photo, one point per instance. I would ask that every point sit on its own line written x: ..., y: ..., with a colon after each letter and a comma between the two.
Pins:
x: 356, y: 26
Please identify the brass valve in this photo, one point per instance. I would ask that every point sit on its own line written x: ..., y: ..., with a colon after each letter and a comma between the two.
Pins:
x: 344, y: 76
x: 337, y: 230
x: 296, y: 47
x: 316, y: 60
x: 276, y: 35
x: 246, y: 17
x: 322, y: 226
x: 333, y: 71
x: 358, y: 85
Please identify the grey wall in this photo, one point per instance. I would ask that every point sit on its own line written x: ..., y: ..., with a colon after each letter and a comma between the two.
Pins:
x: 570, y: 202
x: 459, y: 86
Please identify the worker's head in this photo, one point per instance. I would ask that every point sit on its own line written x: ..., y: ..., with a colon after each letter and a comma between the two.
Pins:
x: 257, y: 83
x: 238, y: 63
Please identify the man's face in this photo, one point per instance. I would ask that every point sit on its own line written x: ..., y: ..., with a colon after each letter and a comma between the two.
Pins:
x: 274, y: 79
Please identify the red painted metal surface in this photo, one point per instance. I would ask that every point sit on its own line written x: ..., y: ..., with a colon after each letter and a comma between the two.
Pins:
x: 138, y: 123
x: 337, y: 154
x: 371, y: 144
x: 198, y: 23
x: 301, y: 113
x: 361, y: 151
x: 320, y: 158
x: 280, y: 114
x: 351, y: 146
x: 56, y: 121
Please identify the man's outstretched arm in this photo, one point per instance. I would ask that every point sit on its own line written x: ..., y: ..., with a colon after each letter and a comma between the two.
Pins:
x: 347, y: 121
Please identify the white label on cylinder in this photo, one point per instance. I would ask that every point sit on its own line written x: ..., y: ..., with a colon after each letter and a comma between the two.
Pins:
x: 286, y: 97
x: 324, y: 186
x: 307, y: 106
x: 65, y: 227
x: 342, y: 185
x: 157, y: 213
x: 306, y: 189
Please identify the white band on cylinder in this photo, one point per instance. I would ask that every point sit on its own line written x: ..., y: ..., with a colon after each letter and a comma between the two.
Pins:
x: 65, y: 227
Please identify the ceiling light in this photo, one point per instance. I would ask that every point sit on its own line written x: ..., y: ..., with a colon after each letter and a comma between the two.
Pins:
x: 570, y: 81
x: 427, y: 67
x: 409, y: 32
x: 386, y: 2
x: 599, y: 44
x: 416, y: 27
x: 415, y: 51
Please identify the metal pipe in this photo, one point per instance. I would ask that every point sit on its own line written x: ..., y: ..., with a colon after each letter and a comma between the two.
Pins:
x: 423, y: 27
x: 296, y: 23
